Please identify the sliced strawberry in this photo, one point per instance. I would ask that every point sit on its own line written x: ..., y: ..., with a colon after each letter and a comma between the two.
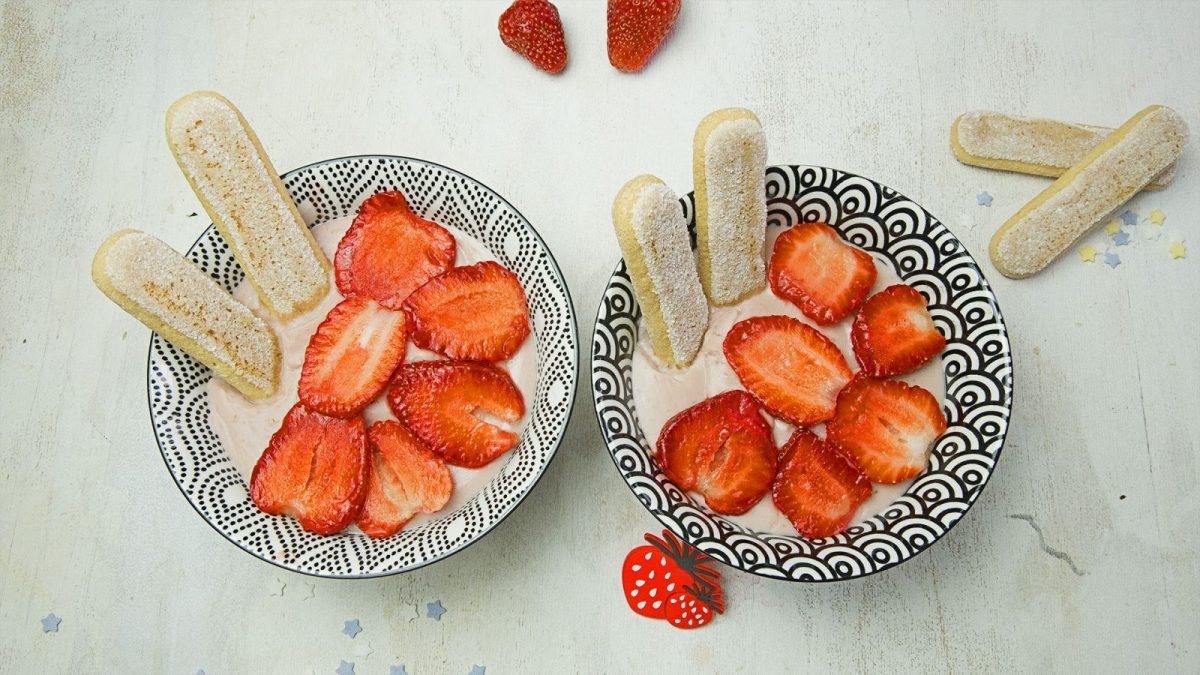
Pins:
x: 532, y: 29
x: 636, y: 28
x: 816, y: 487
x: 812, y: 268
x: 389, y: 251
x: 351, y: 357
x: 723, y: 449
x: 791, y: 368
x: 694, y: 606
x: 437, y: 401
x: 405, y: 479
x: 475, y: 313
x: 885, y: 427
x: 314, y: 468
x: 893, y: 332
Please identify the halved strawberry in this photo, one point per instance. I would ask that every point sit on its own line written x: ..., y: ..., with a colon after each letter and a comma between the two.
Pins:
x: 475, y: 313
x: 885, y: 427
x: 636, y: 28
x: 437, y: 401
x: 793, y: 370
x: 722, y: 448
x: 405, y: 479
x: 314, y: 468
x: 389, y: 251
x: 812, y: 268
x: 893, y: 332
x: 351, y: 357
x: 816, y: 487
x: 694, y: 606
x: 532, y: 29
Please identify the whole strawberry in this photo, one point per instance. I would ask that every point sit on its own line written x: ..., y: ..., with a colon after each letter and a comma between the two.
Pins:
x: 532, y: 29
x: 635, y: 30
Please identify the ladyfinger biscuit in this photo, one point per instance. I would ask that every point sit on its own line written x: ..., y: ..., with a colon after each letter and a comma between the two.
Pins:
x: 654, y: 240
x: 239, y: 188
x: 177, y: 300
x: 1027, y: 145
x: 1105, y: 178
x: 729, y: 163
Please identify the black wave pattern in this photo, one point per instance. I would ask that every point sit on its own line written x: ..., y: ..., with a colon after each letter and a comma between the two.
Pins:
x: 977, y: 361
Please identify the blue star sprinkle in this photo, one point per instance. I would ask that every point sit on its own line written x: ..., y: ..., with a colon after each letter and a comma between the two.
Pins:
x: 1112, y: 260
x: 1129, y: 218
x: 345, y: 668
x: 476, y: 670
x: 434, y: 610
x: 1121, y: 238
x: 201, y: 672
x: 351, y: 627
x: 984, y: 199
x: 50, y: 623
x: 397, y: 670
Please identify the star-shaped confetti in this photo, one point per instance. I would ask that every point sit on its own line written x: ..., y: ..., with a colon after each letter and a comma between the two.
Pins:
x: 275, y: 587
x: 1112, y: 227
x: 1088, y: 253
x: 351, y: 627
x: 1121, y: 238
x: 201, y: 672
x: 50, y: 623
x: 1158, y: 217
x: 984, y: 199
x: 1177, y: 250
x: 434, y: 610
x: 397, y: 670
x: 1129, y: 218
x: 345, y: 668
x: 1112, y: 260
x: 477, y: 670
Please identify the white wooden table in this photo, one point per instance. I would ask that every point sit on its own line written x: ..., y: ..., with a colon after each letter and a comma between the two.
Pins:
x: 1082, y: 555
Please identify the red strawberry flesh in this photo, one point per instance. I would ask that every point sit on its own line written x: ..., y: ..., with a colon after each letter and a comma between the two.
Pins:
x: 351, y: 357
x: 532, y: 29
x: 405, y: 479
x: 313, y: 468
x: 886, y: 428
x: 723, y: 449
x: 793, y: 370
x: 475, y: 313
x: 389, y: 251
x: 439, y: 402
x: 812, y: 268
x: 894, y: 334
x: 816, y: 488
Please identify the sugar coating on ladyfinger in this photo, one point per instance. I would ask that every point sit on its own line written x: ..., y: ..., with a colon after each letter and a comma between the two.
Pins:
x: 652, y: 232
x: 177, y: 300
x: 729, y: 165
x: 1029, y: 145
x: 241, y: 191
x: 1123, y: 164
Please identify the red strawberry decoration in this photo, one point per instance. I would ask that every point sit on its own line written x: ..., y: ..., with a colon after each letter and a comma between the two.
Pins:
x: 351, y: 357
x: 314, y: 468
x: 694, y: 607
x: 723, y: 449
x: 389, y: 251
x: 885, y: 427
x: 791, y: 368
x: 438, y: 401
x: 817, y: 488
x: 405, y: 479
x: 636, y: 28
x: 668, y: 568
x: 812, y: 268
x: 475, y: 313
x: 532, y: 29
x: 893, y: 333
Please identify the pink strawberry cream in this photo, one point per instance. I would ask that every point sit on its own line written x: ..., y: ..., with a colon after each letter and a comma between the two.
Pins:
x: 659, y: 391
x: 245, y: 427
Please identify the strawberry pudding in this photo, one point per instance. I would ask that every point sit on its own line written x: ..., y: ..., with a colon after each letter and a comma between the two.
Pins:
x: 401, y: 392
x: 799, y: 366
